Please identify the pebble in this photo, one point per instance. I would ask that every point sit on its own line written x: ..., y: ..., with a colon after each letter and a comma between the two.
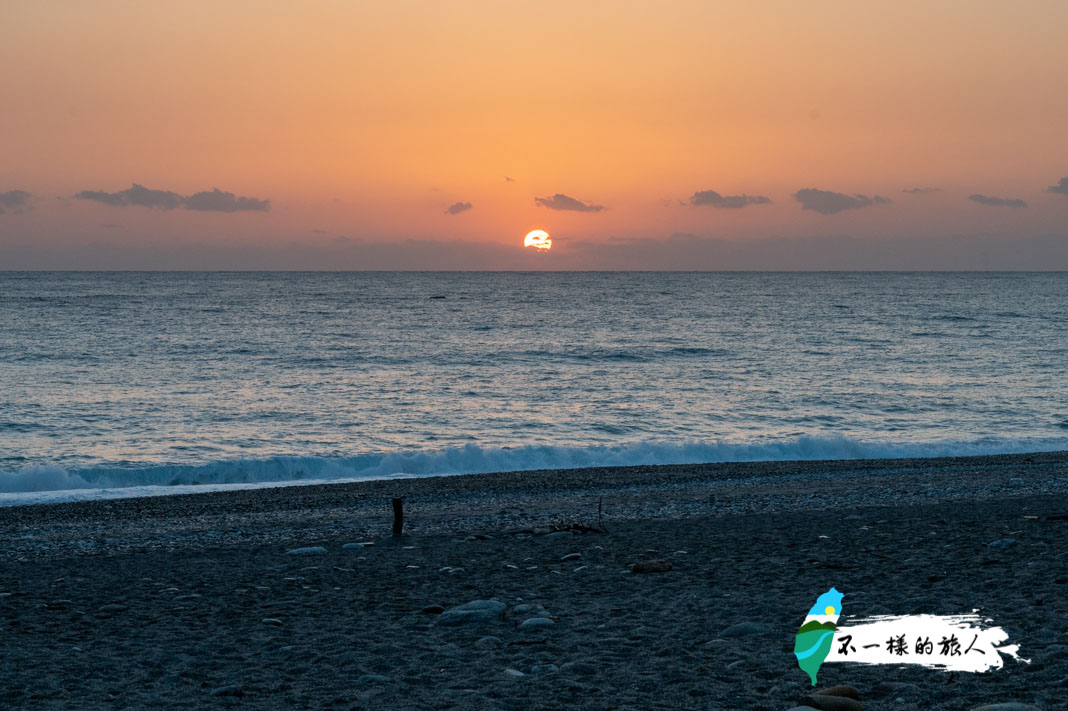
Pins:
x: 272, y: 621
x: 190, y: 596
x: 583, y: 668
x: 489, y: 643
x: 571, y: 556
x: 845, y: 690
x: 1002, y: 543
x: 433, y: 609
x: 651, y: 566
x: 1008, y: 706
x: 560, y: 534
x: 514, y: 673
x: 536, y: 622
x: 580, y: 569
x: 745, y: 628
x: 372, y: 679
x: 887, y: 688
x: 474, y: 611
x: 544, y: 669
x: 232, y: 690
x: 307, y: 550
x: 823, y: 702
x: 114, y: 608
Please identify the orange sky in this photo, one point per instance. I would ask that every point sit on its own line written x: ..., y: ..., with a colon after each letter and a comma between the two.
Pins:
x: 368, y: 120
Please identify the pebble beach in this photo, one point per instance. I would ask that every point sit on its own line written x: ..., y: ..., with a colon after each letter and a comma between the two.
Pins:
x: 674, y: 587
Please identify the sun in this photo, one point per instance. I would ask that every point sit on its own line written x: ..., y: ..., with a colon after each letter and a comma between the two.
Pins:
x: 539, y: 240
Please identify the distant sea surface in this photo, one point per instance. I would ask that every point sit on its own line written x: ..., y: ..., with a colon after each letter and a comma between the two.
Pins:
x: 123, y: 383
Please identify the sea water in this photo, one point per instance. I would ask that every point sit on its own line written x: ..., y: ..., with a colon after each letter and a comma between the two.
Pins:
x: 123, y: 383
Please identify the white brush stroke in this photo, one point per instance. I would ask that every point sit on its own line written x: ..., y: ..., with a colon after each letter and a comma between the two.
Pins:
x: 985, y: 653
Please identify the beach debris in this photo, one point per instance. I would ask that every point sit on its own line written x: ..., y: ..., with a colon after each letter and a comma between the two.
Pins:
x: 658, y: 565
x: 398, y: 517
x: 473, y: 612
x: 307, y: 550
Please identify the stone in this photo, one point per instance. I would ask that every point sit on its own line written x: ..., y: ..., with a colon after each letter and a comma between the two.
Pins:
x: 433, y: 609
x: 307, y: 550
x: 580, y: 569
x: 232, y: 690
x: 513, y: 673
x: 544, y: 669
x: 273, y: 621
x: 473, y: 612
x: 1002, y: 543
x: 823, y: 702
x: 651, y: 566
x: 535, y: 623
x: 190, y: 596
x: 844, y: 690
x: 571, y: 556
x: 745, y: 628
x: 1007, y: 706
x: 894, y: 688
x: 560, y: 534
x: 581, y: 668
x: 486, y: 643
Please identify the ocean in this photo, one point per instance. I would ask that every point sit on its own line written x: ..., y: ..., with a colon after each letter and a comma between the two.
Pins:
x: 125, y: 383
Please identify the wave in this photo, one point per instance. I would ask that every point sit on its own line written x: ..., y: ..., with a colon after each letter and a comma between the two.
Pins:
x: 473, y: 459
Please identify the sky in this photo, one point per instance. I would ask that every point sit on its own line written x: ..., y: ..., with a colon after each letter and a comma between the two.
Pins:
x: 687, y: 134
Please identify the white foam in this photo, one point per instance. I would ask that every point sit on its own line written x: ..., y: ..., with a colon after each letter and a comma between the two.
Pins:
x: 37, y: 484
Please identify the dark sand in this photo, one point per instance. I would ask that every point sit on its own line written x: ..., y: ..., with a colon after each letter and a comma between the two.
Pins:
x: 162, y: 602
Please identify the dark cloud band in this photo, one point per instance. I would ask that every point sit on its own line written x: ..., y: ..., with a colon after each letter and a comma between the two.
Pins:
x: 559, y: 201
x: 457, y: 207
x: 997, y: 201
x: 711, y: 198
x: 826, y: 202
x: 214, y: 200
x: 14, y: 200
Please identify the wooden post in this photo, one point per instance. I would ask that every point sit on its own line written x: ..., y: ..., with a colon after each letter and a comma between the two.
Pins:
x: 398, y: 517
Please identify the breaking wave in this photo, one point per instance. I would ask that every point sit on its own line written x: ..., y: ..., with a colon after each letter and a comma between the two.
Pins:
x: 470, y: 459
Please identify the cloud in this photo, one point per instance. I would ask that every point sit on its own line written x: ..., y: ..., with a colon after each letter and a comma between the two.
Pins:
x: 1060, y: 188
x: 14, y: 200
x: 714, y: 199
x: 559, y: 201
x: 997, y: 201
x: 921, y: 191
x: 218, y: 201
x: 509, y: 180
x: 457, y: 207
x: 826, y: 202
x: 214, y: 200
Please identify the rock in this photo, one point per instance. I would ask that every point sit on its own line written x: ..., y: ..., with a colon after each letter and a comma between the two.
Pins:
x: 745, y: 628
x: 560, y: 534
x: 232, y: 690
x: 535, y: 623
x: 823, y: 702
x: 843, y: 690
x: 571, y: 556
x: 486, y: 643
x: 113, y: 608
x: 274, y: 621
x: 651, y: 566
x: 736, y: 665
x: 894, y: 688
x: 544, y: 669
x: 433, y: 609
x: 354, y: 546
x: 190, y: 596
x: 581, y: 668
x: 473, y: 612
x: 514, y: 673
x: 1008, y: 706
x: 1002, y: 543
x: 580, y: 569
x: 307, y: 550
x: 372, y: 679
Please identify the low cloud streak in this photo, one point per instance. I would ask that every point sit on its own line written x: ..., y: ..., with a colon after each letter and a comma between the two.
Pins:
x: 997, y: 201
x: 214, y: 200
x: 827, y: 202
x: 562, y: 202
x: 711, y: 198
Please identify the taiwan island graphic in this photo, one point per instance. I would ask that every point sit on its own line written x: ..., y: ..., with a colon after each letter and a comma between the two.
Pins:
x: 816, y: 636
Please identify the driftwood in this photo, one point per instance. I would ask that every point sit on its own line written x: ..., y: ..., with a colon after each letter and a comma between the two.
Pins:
x: 398, y: 517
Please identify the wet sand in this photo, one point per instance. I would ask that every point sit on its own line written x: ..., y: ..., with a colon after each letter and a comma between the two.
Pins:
x: 195, y: 602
